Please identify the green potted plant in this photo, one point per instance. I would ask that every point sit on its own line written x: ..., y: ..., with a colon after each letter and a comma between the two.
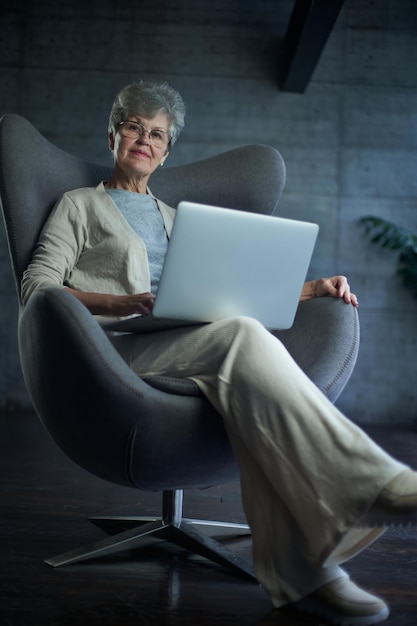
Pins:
x: 394, y: 237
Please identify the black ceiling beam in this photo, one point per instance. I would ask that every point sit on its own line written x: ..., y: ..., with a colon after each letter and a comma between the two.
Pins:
x: 309, y: 27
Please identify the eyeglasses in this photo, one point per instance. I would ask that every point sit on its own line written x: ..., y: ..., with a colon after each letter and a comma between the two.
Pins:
x: 134, y: 130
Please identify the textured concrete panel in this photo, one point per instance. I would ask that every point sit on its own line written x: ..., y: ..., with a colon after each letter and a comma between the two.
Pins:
x: 383, y: 387
x: 380, y: 115
x: 379, y: 172
x: 321, y: 210
x: 381, y: 57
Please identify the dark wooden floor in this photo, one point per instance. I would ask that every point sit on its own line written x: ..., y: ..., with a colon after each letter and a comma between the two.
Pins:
x: 46, y: 500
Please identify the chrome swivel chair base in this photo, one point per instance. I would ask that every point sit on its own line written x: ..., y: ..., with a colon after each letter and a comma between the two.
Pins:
x: 191, y: 534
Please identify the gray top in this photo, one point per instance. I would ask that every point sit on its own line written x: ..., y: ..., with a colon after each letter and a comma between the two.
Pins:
x: 142, y: 214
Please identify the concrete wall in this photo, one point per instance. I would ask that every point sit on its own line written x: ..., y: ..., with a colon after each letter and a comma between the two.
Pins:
x: 349, y: 142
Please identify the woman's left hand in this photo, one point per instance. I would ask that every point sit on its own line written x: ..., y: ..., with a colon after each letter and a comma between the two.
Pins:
x: 336, y: 286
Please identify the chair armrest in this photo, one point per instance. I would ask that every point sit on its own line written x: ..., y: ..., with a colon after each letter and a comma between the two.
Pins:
x: 104, y: 416
x: 324, y: 341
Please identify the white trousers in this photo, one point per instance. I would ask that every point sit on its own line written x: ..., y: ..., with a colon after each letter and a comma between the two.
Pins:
x: 307, y: 473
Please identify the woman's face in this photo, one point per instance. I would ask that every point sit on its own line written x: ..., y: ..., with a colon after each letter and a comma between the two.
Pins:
x: 138, y: 157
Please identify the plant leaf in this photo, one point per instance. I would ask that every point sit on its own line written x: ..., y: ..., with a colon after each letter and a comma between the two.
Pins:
x: 389, y: 235
x: 394, y: 237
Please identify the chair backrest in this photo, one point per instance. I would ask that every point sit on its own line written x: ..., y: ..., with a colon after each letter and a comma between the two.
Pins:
x: 34, y: 173
x: 106, y: 418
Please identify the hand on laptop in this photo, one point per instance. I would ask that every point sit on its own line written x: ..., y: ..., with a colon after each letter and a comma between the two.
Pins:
x: 336, y: 286
x: 114, y: 305
x: 138, y: 304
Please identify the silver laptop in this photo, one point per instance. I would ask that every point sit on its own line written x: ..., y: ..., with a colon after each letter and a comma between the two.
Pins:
x: 224, y: 262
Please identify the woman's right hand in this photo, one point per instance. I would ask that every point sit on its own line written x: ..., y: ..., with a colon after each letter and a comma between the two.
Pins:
x: 114, y: 305
x: 138, y: 304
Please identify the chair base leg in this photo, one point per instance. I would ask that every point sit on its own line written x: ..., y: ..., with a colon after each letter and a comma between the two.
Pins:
x: 113, y: 525
x: 194, y: 535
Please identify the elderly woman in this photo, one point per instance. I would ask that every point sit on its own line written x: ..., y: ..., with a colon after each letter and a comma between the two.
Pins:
x: 316, y: 490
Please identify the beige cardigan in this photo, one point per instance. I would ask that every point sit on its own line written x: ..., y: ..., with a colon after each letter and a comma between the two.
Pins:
x: 88, y: 245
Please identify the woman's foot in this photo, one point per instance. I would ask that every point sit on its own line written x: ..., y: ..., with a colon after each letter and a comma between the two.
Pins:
x: 343, y: 603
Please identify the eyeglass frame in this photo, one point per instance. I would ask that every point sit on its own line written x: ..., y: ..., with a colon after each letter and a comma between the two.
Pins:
x: 149, y: 131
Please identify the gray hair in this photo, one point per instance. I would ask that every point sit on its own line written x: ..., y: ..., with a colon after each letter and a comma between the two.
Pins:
x: 149, y: 99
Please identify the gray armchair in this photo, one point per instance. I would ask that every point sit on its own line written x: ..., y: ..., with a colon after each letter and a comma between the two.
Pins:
x: 159, y: 433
